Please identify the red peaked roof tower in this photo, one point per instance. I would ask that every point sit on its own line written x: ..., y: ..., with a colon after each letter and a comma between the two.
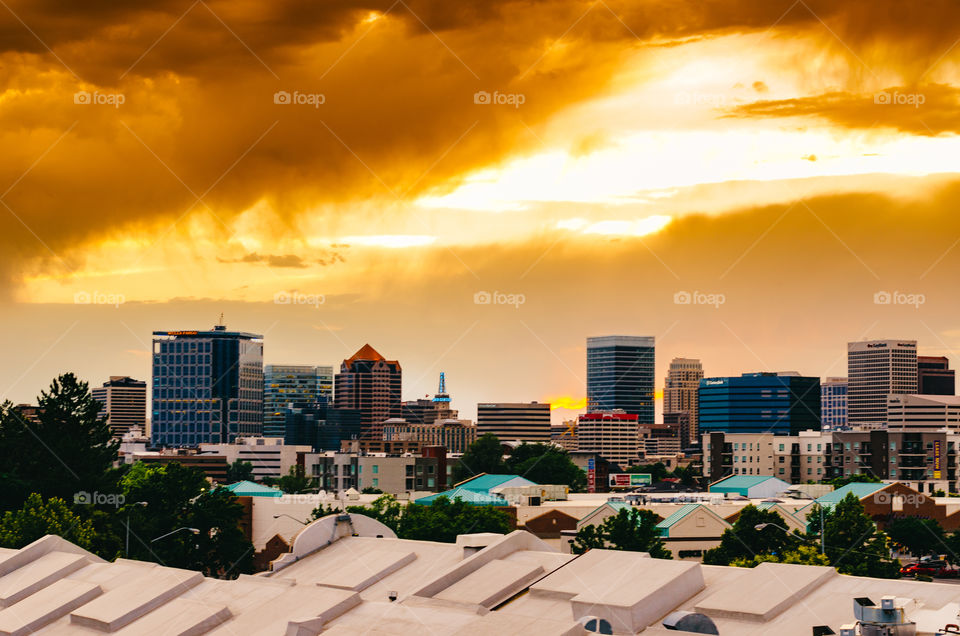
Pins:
x: 370, y: 384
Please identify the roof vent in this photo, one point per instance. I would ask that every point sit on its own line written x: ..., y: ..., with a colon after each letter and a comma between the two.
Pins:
x: 596, y: 625
x: 690, y: 622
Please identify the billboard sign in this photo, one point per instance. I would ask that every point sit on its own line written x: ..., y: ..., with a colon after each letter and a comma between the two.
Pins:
x: 630, y: 480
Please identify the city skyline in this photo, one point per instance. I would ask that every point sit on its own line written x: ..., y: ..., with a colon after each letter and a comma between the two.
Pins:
x: 562, y: 404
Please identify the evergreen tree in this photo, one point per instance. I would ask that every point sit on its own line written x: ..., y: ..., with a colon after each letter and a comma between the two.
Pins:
x: 69, y: 451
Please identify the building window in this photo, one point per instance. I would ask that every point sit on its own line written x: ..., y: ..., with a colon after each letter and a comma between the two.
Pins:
x: 376, y: 469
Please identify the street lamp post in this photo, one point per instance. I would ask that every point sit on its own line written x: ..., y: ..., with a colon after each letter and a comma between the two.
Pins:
x: 761, y: 526
x: 163, y: 536
x: 289, y: 517
x: 126, y: 550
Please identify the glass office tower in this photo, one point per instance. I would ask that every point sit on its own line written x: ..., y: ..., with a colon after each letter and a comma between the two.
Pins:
x: 620, y: 375
x: 207, y: 386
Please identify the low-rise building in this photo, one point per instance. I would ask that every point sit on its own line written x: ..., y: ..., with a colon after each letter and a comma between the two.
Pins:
x: 269, y: 456
x: 454, y: 435
x: 396, y: 475
x: 349, y: 574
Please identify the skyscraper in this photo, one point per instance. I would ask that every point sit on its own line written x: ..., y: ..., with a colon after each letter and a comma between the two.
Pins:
x: 620, y: 375
x: 680, y: 392
x: 780, y: 403
x: 124, y: 403
x: 934, y: 376
x: 207, y: 386
x: 833, y: 404
x: 875, y: 370
x: 371, y: 384
x: 516, y: 421
x: 285, y: 384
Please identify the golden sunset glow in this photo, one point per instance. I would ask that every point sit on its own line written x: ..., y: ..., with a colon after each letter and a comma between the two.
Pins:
x: 396, y: 159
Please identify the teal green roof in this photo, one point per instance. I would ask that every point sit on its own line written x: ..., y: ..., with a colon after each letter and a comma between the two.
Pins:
x: 860, y: 490
x: 471, y: 497
x: 677, y: 516
x: 740, y: 483
x: 485, y: 483
x: 250, y: 489
x: 767, y: 505
x: 616, y: 505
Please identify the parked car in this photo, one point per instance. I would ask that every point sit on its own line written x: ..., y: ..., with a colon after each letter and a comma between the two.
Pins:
x: 932, y: 567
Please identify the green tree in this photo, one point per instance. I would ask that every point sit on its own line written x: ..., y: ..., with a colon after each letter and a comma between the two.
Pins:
x: 483, y: 456
x: 631, y: 529
x: 743, y: 541
x: 179, y: 497
x: 917, y: 536
x: 546, y: 464
x: 802, y: 555
x: 385, y: 509
x: 806, y: 555
x: 853, y: 543
x: 295, y: 481
x: 444, y: 520
x: 239, y: 471
x: 856, y: 478
x: 68, y: 451
x: 37, y: 519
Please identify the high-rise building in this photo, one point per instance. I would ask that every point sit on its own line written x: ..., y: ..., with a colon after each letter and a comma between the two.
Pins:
x: 371, y: 384
x: 124, y: 403
x: 285, y: 384
x: 934, y: 376
x: 833, y: 404
x: 207, y: 386
x: 875, y: 370
x: 515, y: 421
x: 620, y: 375
x: 614, y: 436
x: 780, y: 403
x: 680, y: 390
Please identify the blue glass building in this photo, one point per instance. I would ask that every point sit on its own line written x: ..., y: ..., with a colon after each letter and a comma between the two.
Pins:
x: 778, y: 403
x: 620, y: 375
x: 833, y: 404
x: 285, y: 384
x: 207, y: 386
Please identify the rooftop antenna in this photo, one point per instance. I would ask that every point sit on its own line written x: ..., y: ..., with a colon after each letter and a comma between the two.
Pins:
x: 442, y: 395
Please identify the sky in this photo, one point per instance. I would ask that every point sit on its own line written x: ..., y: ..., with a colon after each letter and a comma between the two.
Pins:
x: 476, y: 187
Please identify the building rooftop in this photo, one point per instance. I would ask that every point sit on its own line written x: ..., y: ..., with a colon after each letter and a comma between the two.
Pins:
x: 485, y: 483
x: 251, y: 489
x: 736, y: 483
x: 473, y: 497
x: 861, y: 490
x: 350, y: 575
